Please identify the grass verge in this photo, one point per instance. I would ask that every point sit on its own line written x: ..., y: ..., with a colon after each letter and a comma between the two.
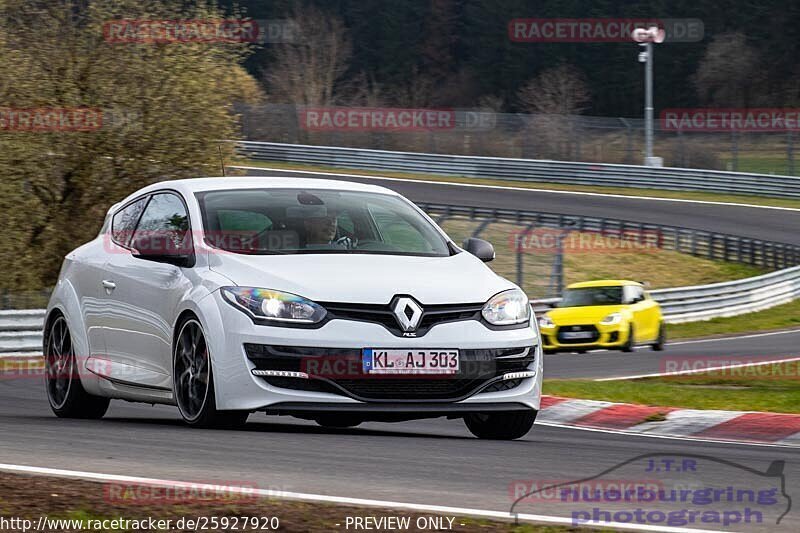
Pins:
x: 623, y: 191
x: 30, y: 497
x: 771, y: 388
x: 776, y: 318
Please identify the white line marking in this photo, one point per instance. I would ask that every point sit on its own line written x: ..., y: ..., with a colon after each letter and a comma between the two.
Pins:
x: 511, y: 188
x: 702, y: 370
x: 669, y: 437
x: 299, y: 496
x: 736, y: 337
x: 696, y: 341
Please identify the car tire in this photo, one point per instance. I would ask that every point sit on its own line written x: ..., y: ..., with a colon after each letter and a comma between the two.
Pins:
x: 67, y: 397
x: 507, y: 425
x: 193, y: 381
x: 337, y: 421
x: 661, y: 340
x: 630, y: 344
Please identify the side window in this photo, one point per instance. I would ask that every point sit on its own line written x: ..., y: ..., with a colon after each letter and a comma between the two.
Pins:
x: 395, y: 230
x: 345, y: 222
x: 244, y: 221
x: 166, y: 218
x: 125, y: 220
x: 633, y: 294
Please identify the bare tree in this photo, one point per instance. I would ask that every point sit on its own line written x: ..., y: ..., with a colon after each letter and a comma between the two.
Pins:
x: 728, y: 71
x: 552, y: 97
x: 309, y: 70
x: 363, y: 90
x: 558, y: 90
x: 491, y: 102
x: 417, y: 92
x: 163, y: 108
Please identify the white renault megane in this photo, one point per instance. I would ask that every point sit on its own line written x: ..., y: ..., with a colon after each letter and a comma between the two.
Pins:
x: 326, y: 300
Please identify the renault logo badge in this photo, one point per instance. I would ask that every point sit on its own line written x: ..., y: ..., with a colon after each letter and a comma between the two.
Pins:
x: 407, y: 312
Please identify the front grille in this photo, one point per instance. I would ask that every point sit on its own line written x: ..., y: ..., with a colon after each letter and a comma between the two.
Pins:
x: 409, y: 389
x: 432, y: 315
x: 502, y: 386
x: 478, y: 367
x: 577, y: 329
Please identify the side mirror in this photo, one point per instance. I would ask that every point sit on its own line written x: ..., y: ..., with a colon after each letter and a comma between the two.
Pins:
x: 481, y: 249
x: 161, y: 247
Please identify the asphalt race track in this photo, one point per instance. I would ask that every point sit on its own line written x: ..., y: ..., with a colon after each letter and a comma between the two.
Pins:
x: 779, y: 225
x: 429, y: 462
x: 425, y: 462
x: 719, y: 352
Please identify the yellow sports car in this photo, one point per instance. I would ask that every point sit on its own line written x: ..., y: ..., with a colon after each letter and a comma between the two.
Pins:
x: 606, y: 314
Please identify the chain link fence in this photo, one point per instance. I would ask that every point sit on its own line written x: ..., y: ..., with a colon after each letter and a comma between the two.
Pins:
x: 514, y: 135
x: 535, y: 249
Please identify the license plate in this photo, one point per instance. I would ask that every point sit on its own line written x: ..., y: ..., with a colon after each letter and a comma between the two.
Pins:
x: 577, y: 334
x: 393, y: 361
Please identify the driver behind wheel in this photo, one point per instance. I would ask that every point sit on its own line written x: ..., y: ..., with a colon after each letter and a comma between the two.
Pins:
x: 323, y: 231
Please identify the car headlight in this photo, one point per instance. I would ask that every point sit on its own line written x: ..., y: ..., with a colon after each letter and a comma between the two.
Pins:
x: 279, y: 306
x: 613, y: 318
x: 546, y: 322
x: 506, y: 308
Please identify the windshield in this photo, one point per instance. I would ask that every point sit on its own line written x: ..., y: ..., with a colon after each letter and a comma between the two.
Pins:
x: 291, y: 221
x: 592, y: 296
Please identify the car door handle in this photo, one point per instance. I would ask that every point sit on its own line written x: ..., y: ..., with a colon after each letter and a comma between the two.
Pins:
x: 109, y: 285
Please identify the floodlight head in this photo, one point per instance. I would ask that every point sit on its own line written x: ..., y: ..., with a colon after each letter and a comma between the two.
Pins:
x: 649, y: 35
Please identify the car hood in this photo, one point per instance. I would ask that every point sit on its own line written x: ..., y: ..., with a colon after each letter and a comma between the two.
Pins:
x: 582, y: 315
x: 365, y: 278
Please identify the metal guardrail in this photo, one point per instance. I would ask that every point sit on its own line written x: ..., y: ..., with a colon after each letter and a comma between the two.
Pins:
x: 21, y: 330
x: 731, y: 298
x: 703, y: 302
x: 533, y: 170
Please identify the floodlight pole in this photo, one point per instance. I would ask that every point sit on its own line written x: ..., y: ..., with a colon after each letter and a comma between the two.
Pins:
x: 648, y: 104
x: 646, y: 38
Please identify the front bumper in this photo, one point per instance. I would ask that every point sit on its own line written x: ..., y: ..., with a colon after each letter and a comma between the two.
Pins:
x: 237, y: 388
x: 392, y: 412
x: 608, y: 336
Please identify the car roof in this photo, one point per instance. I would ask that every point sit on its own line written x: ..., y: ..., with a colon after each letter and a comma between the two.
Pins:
x: 604, y: 283
x: 194, y: 185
